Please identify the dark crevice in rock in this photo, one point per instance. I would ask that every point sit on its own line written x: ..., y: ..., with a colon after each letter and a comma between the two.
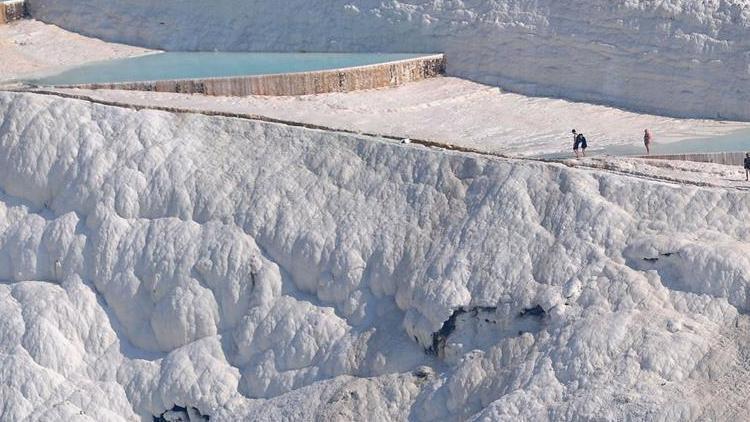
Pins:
x: 181, y: 414
x: 665, y: 254
x: 527, y: 320
x: 536, y: 311
x: 441, y: 336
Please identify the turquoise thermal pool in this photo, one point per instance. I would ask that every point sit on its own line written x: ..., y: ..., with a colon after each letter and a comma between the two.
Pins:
x: 201, y: 65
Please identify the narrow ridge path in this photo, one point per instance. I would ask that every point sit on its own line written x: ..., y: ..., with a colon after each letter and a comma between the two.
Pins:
x: 572, y: 163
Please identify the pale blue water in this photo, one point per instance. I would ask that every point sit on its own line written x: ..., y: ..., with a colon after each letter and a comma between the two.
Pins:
x: 198, y: 65
x: 735, y: 141
x: 732, y: 142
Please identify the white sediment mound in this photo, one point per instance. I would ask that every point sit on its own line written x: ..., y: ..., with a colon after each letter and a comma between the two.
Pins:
x: 31, y: 48
x: 678, y: 57
x: 213, y: 267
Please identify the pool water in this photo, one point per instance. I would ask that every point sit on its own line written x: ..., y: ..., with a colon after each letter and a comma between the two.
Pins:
x: 735, y: 141
x: 200, y: 65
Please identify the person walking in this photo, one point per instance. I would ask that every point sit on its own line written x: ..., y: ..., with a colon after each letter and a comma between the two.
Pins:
x: 647, y: 138
x: 579, y: 141
x: 747, y: 167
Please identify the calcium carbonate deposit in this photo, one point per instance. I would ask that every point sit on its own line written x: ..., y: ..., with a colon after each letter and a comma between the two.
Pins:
x: 208, y: 263
x: 676, y: 57
x: 185, y: 266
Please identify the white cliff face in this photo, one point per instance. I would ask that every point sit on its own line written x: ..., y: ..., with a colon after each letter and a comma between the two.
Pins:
x: 240, y: 269
x: 675, y: 57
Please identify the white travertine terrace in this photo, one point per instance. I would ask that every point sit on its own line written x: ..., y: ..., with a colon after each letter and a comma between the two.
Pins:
x: 677, y: 57
x: 241, y: 269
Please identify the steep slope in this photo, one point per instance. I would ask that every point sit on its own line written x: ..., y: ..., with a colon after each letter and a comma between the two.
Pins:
x: 677, y: 57
x: 241, y: 269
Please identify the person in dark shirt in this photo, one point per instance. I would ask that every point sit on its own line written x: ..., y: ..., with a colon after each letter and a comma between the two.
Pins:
x: 747, y: 167
x: 579, y: 141
x: 647, y: 138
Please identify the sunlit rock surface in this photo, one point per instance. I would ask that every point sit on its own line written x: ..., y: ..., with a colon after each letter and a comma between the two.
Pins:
x: 677, y: 57
x: 155, y: 264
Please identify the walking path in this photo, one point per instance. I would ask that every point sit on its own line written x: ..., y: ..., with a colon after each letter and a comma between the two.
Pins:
x: 680, y: 172
x: 450, y: 111
x: 447, y: 110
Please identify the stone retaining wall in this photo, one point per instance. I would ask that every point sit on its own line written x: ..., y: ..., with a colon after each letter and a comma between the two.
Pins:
x: 728, y: 158
x: 12, y: 11
x: 303, y: 83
